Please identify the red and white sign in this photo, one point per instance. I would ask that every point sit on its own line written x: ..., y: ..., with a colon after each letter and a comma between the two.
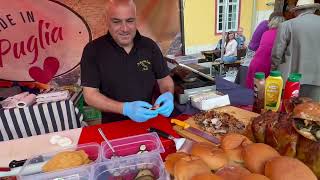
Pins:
x: 39, y: 40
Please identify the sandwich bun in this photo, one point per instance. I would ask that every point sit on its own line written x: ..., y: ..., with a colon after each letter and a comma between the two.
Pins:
x: 287, y: 168
x: 206, y: 176
x: 306, y: 119
x: 233, y: 141
x: 189, y: 166
x: 213, y: 156
x: 172, y: 159
x: 256, y: 155
x: 234, y: 155
x: 254, y: 177
x: 308, y: 111
x: 232, y: 172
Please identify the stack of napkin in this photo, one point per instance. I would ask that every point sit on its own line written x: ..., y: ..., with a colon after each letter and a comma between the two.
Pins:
x: 52, y: 97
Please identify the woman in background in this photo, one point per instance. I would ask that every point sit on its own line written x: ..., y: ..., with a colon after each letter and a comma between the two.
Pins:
x: 258, y: 32
x: 230, y: 55
x: 261, y: 61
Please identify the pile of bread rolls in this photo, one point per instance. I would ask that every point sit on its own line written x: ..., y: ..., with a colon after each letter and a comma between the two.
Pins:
x: 237, y: 158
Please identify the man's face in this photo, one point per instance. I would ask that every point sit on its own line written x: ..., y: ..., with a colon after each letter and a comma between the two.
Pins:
x: 240, y: 32
x: 122, y: 24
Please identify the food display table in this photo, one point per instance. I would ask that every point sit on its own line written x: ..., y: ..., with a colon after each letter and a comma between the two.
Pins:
x: 23, y: 148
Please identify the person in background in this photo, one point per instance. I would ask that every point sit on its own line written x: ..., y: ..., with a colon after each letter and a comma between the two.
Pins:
x: 296, y: 49
x: 219, y: 45
x: 261, y: 61
x: 120, y: 69
x: 230, y: 55
x: 251, y: 50
x: 261, y: 28
x: 241, y: 39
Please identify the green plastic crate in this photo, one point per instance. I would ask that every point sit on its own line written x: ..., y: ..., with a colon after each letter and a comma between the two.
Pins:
x: 90, y: 113
x: 80, y: 103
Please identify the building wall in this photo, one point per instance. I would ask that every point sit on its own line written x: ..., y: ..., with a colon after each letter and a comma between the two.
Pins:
x: 263, y: 11
x: 261, y: 5
x: 246, y: 14
x: 199, y: 23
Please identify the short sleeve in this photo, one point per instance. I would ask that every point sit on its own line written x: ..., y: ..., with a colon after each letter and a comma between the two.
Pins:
x: 89, y: 68
x: 159, y: 65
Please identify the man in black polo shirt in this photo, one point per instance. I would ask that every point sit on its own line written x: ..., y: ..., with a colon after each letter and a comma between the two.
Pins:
x: 119, y: 70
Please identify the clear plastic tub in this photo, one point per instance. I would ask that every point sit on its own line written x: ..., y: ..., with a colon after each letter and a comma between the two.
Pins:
x: 129, y: 146
x: 128, y: 168
x: 32, y: 169
x: 82, y: 173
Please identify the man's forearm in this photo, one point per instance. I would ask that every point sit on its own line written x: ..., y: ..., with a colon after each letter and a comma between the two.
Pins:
x: 167, y: 89
x: 166, y: 85
x: 101, y: 102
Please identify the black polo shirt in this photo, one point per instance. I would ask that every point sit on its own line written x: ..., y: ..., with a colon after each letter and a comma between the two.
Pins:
x: 121, y: 76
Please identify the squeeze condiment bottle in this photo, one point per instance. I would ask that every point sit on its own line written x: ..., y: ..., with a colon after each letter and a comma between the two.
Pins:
x: 273, y: 91
x: 292, y: 88
x: 259, y: 90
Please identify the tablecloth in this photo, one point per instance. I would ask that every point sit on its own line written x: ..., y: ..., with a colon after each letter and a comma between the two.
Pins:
x: 129, y: 128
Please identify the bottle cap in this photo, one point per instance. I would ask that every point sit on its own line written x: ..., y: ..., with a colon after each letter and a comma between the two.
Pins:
x: 259, y: 75
x: 275, y: 73
x: 294, y: 77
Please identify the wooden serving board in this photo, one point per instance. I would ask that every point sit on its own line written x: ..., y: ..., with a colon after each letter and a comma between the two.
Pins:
x: 241, y: 114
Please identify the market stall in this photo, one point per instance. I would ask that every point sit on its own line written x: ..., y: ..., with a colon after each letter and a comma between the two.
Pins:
x: 211, y: 128
x: 244, y: 147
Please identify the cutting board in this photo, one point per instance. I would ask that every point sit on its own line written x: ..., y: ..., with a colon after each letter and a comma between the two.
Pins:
x: 241, y: 114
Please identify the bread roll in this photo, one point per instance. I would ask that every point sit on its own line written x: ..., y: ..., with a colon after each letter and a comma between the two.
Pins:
x: 234, y: 155
x: 232, y: 172
x: 188, y: 167
x: 172, y: 159
x: 287, y: 168
x: 254, y: 177
x: 256, y: 155
x: 213, y: 156
x: 233, y: 141
x: 206, y: 176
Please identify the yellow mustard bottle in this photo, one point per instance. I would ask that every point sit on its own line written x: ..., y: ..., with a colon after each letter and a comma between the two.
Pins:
x: 273, y: 91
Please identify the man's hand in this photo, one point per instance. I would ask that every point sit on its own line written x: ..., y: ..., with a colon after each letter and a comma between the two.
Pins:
x: 165, y: 101
x: 139, y: 111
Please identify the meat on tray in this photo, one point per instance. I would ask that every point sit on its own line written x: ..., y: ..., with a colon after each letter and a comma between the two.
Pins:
x: 219, y: 123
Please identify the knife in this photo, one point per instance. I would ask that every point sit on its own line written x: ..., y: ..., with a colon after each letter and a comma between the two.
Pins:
x: 182, y: 144
x: 195, y: 131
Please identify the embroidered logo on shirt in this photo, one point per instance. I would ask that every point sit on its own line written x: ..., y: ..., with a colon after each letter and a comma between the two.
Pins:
x: 144, y: 65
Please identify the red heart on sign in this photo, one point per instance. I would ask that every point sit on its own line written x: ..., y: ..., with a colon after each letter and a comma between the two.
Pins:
x: 50, y: 68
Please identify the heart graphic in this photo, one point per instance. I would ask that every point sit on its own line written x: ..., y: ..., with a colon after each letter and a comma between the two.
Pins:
x: 50, y: 68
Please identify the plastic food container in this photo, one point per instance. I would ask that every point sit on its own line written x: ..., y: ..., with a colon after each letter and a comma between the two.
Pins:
x: 209, y: 100
x: 128, y: 168
x: 82, y: 173
x: 130, y: 146
x: 32, y: 169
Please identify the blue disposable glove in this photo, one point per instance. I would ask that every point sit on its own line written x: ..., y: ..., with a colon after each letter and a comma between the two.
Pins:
x: 139, y: 111
x: 165, y: 101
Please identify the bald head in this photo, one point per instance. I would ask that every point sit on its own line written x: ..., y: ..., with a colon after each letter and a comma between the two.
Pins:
x: 121, y: 21
x: 113, y: 4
